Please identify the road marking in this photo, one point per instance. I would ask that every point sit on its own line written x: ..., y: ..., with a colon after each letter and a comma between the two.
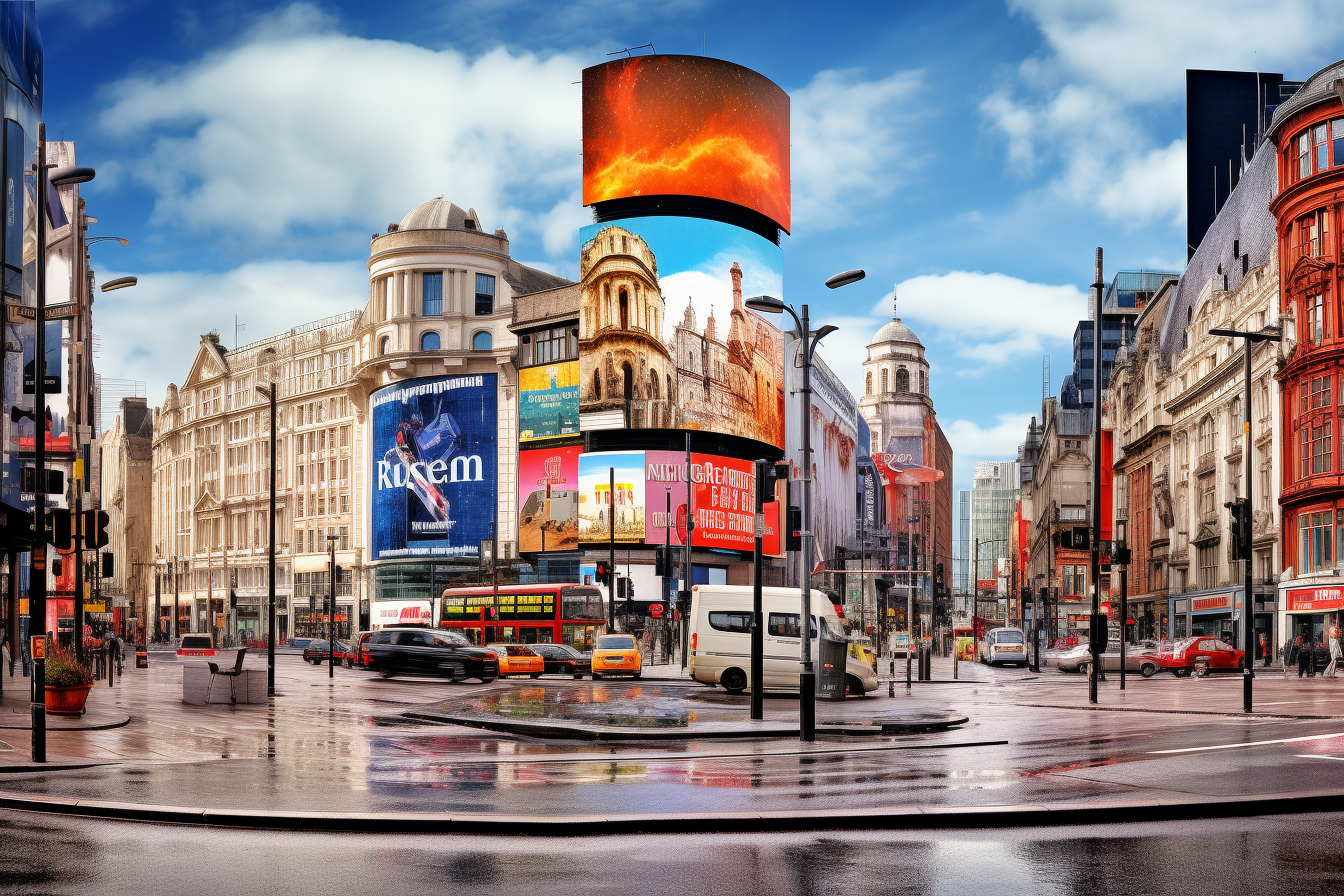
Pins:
x: 1315, y: 756
x: 1254, y: 743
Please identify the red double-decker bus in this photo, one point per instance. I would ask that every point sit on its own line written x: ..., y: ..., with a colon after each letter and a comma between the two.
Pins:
x: 524, y: 614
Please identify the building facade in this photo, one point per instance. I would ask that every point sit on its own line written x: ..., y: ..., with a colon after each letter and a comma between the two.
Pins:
x: 125, y: 487
x: 1308, y: 136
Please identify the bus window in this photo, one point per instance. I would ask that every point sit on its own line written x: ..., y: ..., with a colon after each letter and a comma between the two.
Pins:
x: 581, y: 603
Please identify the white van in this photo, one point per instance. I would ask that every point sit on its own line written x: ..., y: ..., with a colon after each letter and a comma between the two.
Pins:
x: 1002, y: 646
x: 721, y: 638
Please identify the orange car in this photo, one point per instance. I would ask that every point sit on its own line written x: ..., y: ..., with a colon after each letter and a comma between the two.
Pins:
x: 616, y: 655
x: 515, y: 659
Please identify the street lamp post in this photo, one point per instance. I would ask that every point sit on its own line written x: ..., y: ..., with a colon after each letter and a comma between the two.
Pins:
x: 269, y: 393
x: 1248, y: 599
x: 37, y: 591
x: 1096, y: 627
x: 331, y: 607
x: 809, y: 339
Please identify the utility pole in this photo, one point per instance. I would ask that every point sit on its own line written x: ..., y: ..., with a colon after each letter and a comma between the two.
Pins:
x: 1097, y: 627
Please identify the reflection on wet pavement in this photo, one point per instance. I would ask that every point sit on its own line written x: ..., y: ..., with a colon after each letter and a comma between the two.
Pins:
x: 631, y: 706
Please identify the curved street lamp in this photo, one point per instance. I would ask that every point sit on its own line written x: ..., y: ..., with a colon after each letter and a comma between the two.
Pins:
x: 119, y: 283
x: 807, y: 706
x: 98, y: 239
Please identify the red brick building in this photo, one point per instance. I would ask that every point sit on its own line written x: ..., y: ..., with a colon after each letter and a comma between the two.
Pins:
x: 1308, y: 134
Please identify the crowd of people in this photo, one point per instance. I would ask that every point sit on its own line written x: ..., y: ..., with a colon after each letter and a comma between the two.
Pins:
x: 1313, y: 656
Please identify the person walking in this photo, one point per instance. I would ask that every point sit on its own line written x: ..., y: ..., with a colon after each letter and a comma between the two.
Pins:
x: 1332, y: 666
x: 1303, y: 650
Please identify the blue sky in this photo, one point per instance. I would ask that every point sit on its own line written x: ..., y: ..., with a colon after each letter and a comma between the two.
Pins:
x: 971, y: 153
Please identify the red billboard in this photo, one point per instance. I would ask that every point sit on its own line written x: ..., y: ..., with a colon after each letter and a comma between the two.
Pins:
x: 548, y: 503
x: 686, y: 126
x: 724, y: 505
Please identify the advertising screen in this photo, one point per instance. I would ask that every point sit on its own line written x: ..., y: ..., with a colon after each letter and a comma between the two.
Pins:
x: 724, y: 505
x: 666, y: 341
x: 548, y: 499
x: 834, y: 439
x: 548, y: 401
x: 434, y: 466
x: 686, y: 126
x: 595, y: 496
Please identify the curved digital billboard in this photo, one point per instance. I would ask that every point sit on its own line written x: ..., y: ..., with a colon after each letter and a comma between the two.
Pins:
x: 434, y: 466
x: 665, y: 339
x: 686, y: 126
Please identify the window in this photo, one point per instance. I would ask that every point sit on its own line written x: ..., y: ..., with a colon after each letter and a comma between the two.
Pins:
x: 922, y: 384
x: 429, y: 342
x: 902, y: 380
x: 869, y: 383
x: 885, y: 383
x: 785, y: 625
x: 485, y: 294
x: 1316, y: 394
x: 432, y: 294
x: 549, y: 346
x: 1316, y: 541
x: 731, y: 622
x: 1208, y: 566
x: 1315, y: 317
x: 384, y: 346
x: 1321, y: 142
x: 1304, y: 155
x: 1337, y: 141
x: 1208, y: 436
x: 1316, y: 448
x: 481, y: 342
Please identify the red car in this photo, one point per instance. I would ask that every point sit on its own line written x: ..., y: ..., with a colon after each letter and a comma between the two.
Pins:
x: 1199, y: 656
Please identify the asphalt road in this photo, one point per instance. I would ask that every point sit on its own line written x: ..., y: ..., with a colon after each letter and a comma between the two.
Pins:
x: 1298, y: 856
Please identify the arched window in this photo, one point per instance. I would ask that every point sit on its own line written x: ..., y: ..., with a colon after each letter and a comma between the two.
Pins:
x: 429, y: 342
x: 885, y: 382
x: 623, y: 298
x: 902, y: 380
x: 628, y: 374
x: 384, y: 345
x: 870, y: 383
x: 597, y: 384
x: 922, y: 383
x: 653, y: 384
x: 481, y: 342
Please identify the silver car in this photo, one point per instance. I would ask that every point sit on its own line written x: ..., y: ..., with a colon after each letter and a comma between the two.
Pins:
x: 1139, y: 658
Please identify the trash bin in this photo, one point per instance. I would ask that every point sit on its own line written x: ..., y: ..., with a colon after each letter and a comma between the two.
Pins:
x: 925, y: 661
x: 831, y: 654
x: 141, y: 659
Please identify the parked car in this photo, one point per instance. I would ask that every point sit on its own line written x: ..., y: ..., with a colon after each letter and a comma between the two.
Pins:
x: 517, y: 659
x: 196, y: 645
x: 1199, y: 656
x: 316, y: 651
x: 1139, y: 658
x: 561, y: 659
x: 616, y: 655
x: 429, y: 652
x: 1004, y: 645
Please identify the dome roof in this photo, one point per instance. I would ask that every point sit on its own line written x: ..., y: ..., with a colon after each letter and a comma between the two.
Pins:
x: 439, y: 214
x: 895, y: 331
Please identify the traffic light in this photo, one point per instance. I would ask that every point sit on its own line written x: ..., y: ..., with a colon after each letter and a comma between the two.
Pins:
x: 1100, y: 631
x: 1240, y: 526
x: 95, y: 529
x: 938, y: 575
x: 107, y: 565
x: 624, y: 588
x: 604, y: 573
x: 767, y: 475
x: 58, y: 529
x: 666, y: 561
x: 794, y: 539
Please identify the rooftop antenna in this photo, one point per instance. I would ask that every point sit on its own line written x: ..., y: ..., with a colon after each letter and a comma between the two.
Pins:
x: 236, y: 327
x: 1045, y: 378
x: 626, y: 50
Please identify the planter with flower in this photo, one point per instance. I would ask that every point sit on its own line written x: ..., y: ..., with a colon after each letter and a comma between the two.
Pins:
x: 67, y: 683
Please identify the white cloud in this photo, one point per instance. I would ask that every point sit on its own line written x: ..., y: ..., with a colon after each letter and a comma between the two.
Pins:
x: 152, y: 331
x: 972, y: 443
x: 849, y: 142
x: 300, y: 127
x: 1110, y: 64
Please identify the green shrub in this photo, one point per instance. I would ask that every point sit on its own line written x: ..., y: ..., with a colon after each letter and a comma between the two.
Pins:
x: 64, y: 671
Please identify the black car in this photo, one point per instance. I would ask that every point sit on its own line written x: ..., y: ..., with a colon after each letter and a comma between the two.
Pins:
x: 315, y: 652
x: 424, y: 651
x: 561, y: 659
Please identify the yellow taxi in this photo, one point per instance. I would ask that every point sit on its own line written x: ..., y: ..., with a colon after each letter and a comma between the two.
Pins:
x: 517, y: 659
x: 616, y: 655
x: 862, y: 651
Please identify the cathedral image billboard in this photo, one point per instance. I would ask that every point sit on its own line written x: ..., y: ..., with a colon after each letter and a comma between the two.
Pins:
x: 686, y: 126
x: 665, y: 340
x: 434, y: 466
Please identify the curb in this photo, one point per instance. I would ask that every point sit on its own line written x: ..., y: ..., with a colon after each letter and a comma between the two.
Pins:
x: 119, y: 721
x: 1183, y: 712
x: 971, y: 817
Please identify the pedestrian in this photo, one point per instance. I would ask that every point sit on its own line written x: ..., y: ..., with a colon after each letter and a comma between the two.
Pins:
x: 1320, y: 657
x: 1303, y: 652
x: 1334, y: 657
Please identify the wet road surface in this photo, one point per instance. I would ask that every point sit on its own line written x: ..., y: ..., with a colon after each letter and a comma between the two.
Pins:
x: 67, y: 856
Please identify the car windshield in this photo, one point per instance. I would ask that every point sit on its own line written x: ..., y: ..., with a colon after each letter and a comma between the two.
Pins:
x: 615, y: 642
x: 519, y: 650
x: 1008, y: 637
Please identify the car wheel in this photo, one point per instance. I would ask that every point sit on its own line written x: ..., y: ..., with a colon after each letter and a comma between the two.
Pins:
x: 1200, y: 669
x: 853, y: 687
x: 388, y: 673
x: 1180, y: 673
x: 597, y: 676
x: 349, y: 664
x: 1148, y: 670
x: 486, y: 679
x: 734, y: 681
x: 1085, y: 669
x: 536, y: 674
x: 578, y: 677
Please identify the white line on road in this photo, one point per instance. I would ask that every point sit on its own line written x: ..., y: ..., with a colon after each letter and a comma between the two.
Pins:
x: 1315, y: 756
x: 1255, y: 743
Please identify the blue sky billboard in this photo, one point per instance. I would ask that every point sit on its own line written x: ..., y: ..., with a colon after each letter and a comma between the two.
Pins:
x: 434, y: 457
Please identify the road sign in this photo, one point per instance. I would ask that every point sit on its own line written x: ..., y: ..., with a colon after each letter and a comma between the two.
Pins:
x: 20, y: 313
x: 63, y: 311
x: 39, y: 648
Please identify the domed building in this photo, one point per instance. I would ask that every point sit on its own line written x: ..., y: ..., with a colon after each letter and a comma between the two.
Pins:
x: 435, y: 388
x: 895, y: 402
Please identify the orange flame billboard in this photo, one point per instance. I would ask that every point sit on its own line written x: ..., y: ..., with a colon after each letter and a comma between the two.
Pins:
x: 686, y: 126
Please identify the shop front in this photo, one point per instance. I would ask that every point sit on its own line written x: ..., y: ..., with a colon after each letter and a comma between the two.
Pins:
x: 1204, y: 614
x: 1313, y: 613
